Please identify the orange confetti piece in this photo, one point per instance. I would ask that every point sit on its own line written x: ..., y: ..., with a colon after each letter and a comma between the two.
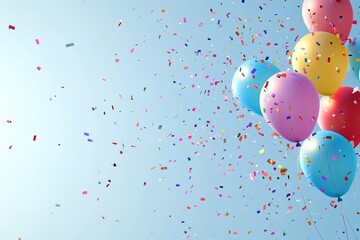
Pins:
x: 272, y: 162
x: 274, y: 134
x: 283, y: 171
x: 240, y: 116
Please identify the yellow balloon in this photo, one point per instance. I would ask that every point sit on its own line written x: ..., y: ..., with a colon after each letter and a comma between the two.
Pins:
x: 323, y: 59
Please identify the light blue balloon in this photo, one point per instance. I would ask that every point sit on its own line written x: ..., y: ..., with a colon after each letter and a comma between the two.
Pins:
x: 248, y: 81
x: 354, y: 58
x: 329, y: 161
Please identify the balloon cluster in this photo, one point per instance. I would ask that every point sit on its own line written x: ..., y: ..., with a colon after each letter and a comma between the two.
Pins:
x: 289, y: 100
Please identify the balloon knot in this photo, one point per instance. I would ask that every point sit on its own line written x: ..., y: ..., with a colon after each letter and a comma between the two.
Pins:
x: 339, y: 199
x: 298, y: 144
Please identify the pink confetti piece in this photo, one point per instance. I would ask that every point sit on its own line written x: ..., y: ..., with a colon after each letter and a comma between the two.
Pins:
x: 251, y: 176
x: 184, y: 20
x: 38, y: 68
x: 37, y: 41
x: 84, y: 192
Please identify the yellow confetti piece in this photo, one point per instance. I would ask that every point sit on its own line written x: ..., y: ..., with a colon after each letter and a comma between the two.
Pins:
x: 262, y: 151
x: 299, y: 176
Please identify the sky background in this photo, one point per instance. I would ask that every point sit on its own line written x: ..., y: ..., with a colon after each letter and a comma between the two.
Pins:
x: 149, y: 83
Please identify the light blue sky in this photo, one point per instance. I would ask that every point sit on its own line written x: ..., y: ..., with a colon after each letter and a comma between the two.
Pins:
x: 157, y: 108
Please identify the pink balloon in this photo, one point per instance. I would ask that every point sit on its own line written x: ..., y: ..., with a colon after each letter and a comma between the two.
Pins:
x: 332, y: 16
x: 290, y: 104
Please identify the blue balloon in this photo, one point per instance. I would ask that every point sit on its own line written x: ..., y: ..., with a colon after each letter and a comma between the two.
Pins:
x: 329, y: 161
x: 248, y: 80
x: 354, y: 58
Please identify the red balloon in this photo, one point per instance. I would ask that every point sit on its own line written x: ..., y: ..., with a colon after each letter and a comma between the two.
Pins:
x: 341, y: 113
x: 330, y: 16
